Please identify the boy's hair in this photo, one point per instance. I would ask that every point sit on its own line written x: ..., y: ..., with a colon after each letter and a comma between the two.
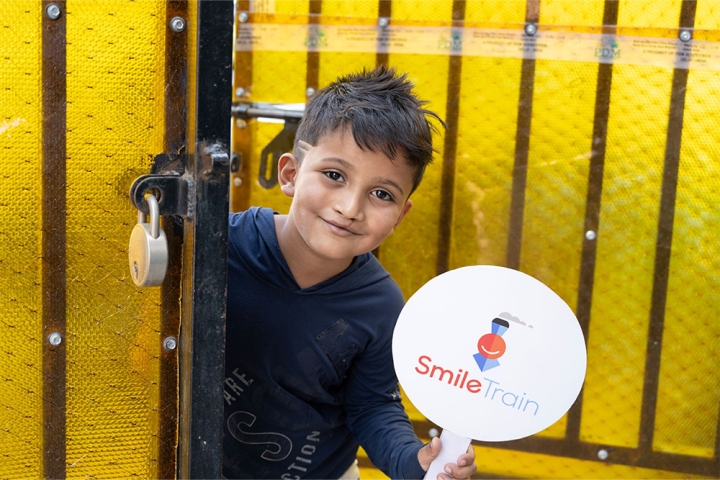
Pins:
x: 380, y: 110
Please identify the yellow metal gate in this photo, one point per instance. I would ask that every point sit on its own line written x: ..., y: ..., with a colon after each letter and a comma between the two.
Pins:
x: 94, y: 95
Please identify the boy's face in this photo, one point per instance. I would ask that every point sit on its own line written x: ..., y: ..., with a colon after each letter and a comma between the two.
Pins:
x: 346, y: 200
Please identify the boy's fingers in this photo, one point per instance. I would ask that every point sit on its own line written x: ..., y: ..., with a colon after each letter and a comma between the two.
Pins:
x: 456, y: 471
x: 465, y: 465
x: 428, y: 453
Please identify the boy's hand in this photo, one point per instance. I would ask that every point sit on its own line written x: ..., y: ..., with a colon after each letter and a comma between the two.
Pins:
x: 463, y: 469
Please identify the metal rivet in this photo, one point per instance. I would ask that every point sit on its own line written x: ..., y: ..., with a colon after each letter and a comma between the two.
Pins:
x: 530, y: 29
x: 240, y: 92
x: 433, y: 432
x: 244, y: 17
x: 240, y: 123
x: 170, y: 343
x: 53, y: 11
x: 237, y: 181
x: 603, y: 454
x: 590, y: 235
x: 55, y: 339
x: 177, y: 24
x: 309, y: 92
x: 685, y: 35
x: 383, y: 22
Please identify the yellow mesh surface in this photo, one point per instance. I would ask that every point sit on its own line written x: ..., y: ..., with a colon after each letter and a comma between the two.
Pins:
x: 21, y: 416
x: 485, y: 151
x: 625, y: 255
x: 115, y: 63
x: 688, y: 397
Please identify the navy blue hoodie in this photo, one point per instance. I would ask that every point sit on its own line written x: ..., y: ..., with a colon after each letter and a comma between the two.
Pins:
x: 309, y: 372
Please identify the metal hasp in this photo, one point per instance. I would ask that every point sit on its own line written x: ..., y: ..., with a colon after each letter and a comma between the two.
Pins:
x: 283, y: 141
x: 205, y: 231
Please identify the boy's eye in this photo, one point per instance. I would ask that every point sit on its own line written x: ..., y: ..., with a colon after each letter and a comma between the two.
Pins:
x: 333, y: 175
x: 383, y: 195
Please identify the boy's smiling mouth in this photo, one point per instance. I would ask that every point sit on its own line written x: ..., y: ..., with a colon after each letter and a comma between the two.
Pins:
x: 339, y: 229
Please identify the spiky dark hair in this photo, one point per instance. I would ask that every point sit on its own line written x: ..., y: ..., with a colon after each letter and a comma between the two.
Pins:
x: 382, y: 112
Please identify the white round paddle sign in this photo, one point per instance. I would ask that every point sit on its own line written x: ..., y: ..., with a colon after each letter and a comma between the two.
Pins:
x: 489, y: 353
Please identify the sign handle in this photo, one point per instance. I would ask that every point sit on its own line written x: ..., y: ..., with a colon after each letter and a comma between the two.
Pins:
x: 452, y: 446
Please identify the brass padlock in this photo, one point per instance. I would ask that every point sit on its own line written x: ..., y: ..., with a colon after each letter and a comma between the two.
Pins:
x: 148, y: 251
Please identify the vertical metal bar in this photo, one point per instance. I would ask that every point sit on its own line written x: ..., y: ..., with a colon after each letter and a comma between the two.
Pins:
x: 384, y: 11
x: 592, y: 204
x: 716, y: 460
x: 174, y: 142
x: 54, y: 98
x: 522, y: 147
x: 240, y: 197
x: 663, y: 247
x: 452, y: 113
x: 202, y: 337
x: 312, y: 75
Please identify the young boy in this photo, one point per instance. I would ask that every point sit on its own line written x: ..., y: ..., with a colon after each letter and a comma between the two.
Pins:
x: 309, y: 371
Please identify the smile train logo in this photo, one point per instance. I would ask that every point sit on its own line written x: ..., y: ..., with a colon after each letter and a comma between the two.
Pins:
x: 491, y: 346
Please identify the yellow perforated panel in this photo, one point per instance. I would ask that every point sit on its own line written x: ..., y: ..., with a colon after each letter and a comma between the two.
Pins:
x: 484, y: 163
x: 115, y: 62
x: 689, y: 383
x: 21, y: 342
x: 625, y: 255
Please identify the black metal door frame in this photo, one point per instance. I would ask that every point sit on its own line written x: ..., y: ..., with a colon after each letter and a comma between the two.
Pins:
x: 202, y: 333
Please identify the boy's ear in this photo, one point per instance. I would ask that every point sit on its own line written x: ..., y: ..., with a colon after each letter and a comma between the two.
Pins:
x: 288, y: 167
x: 405, y: 210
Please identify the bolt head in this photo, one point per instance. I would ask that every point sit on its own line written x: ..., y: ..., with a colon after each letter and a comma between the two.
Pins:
x: 53, y: 11
x: 309, y: 92
x: 590, y: 235
x: 240, y: 92
x: 243, y: 17
x: 603, y: 454
x: 530, y: 29
x: 685, y: 36
x: 383, y: 22
x: 177, y: 24
x: 55, y: 339
x: 170, y: 343
x: 433, y: 432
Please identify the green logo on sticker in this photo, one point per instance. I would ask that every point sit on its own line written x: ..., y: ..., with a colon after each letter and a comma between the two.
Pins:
x: 316, y: 38
x: 607, y: 49
x: 452, y: 43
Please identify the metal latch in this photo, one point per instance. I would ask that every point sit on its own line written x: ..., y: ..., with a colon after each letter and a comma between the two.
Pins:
x: 282, y: 143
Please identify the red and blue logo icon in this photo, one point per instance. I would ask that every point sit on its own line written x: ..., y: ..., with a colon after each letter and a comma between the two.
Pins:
x: 491, y: 346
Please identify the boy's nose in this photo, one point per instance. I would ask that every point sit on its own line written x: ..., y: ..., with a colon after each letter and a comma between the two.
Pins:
x: 350, y: 205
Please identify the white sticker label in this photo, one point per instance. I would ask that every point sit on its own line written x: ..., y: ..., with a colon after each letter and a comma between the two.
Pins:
x: 481, y: 42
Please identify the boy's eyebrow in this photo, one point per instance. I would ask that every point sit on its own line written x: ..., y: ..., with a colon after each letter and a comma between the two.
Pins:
x: 349, y: 166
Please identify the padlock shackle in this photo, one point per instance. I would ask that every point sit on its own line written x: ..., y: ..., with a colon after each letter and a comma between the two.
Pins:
x: 154, y: 215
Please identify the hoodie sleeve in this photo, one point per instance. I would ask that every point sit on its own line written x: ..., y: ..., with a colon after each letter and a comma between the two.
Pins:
x: 375, y: 413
